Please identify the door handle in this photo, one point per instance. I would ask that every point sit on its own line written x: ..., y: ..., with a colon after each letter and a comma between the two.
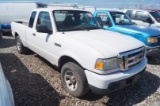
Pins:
x: 34, y: 34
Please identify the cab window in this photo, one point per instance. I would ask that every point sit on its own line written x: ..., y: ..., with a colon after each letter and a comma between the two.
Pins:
x: 44, y: 19
x: 141, y: 16
x: 104, y: 18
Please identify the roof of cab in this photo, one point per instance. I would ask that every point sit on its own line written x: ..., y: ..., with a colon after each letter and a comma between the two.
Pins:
x: 52, y: 9
x: 140, y: 10
x: 109, y: 11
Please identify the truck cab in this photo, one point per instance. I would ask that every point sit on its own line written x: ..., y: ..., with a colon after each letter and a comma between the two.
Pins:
x: 120, y: 22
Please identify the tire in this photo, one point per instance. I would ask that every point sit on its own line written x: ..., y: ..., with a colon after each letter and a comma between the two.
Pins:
x: 20, y: 48
x: 74, y: 80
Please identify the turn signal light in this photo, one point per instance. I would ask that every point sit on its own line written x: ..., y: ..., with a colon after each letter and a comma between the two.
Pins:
x: 99, y: 65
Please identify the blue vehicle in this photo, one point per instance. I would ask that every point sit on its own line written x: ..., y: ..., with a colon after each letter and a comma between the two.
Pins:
x: 120, y: 22
x: 5, y: 28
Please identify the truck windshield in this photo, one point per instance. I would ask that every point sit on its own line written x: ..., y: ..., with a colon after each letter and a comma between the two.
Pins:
x: 120, y: 18
x: 156, y: 15
x: 67, y: 20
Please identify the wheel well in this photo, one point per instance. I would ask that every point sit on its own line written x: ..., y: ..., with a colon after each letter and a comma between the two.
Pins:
x: 16, y: 34
x: 65, y: 59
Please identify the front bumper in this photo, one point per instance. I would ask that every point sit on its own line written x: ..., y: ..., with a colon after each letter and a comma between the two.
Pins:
x: 101, y: 84
x: 152, y: 50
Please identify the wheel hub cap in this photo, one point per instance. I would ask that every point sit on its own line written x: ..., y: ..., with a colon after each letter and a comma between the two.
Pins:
x: 70, y: 80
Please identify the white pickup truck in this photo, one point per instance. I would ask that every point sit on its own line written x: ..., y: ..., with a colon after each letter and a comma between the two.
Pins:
x: 87, y: 56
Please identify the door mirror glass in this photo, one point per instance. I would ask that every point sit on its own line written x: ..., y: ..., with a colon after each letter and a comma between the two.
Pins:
x: 149, y: 20
x: 108, y: 23
x: 43, y: 29
x: 101, y: 24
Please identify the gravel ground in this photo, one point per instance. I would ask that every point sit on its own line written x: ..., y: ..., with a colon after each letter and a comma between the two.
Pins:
x: 35, y: 82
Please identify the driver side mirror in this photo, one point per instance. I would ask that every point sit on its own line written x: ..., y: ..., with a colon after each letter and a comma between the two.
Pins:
x: 101, y: 24
x: 108, y: 23
x: 43, y: 29
x: 149, y: 20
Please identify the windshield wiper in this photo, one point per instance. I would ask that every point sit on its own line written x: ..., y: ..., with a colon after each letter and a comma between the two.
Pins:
x: 80, y: 27
x: 72, y: 29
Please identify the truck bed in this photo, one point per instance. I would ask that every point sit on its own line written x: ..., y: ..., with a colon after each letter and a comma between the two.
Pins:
x: 19, y: 27
x: 22, y: 22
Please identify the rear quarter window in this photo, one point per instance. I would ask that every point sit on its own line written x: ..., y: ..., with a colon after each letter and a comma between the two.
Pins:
x: 32, y: 18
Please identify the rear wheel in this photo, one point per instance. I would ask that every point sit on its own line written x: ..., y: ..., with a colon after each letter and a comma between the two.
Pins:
x: 74, y: 80
x: 20, y: 48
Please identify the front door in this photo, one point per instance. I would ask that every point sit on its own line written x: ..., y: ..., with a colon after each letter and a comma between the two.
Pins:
x: 43, y: 43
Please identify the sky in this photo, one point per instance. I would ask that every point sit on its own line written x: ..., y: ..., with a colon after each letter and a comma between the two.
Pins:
x: 107, y: 3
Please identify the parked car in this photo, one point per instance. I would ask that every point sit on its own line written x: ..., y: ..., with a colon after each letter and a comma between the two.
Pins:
x: 11, y: 11
x: 88, y: 56
x: 6, y: 95
x: 120, y: 22
x: 147, y: 18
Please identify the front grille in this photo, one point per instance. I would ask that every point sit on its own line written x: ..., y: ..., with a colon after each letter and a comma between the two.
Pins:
x: 130, y: 59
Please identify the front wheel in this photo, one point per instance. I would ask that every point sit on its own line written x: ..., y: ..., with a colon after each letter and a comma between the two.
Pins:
x: 20, y: 48
x: 74, y: 80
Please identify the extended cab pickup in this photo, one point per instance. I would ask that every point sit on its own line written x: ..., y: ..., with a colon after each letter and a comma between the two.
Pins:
x: 88, y: 56
x: 120, y: 22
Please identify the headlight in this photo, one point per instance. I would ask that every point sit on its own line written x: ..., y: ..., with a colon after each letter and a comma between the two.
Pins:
x: 106, y: 64
x: 152, y: 40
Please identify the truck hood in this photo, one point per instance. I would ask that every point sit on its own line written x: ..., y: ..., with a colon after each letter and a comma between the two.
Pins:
x: 138, y: 29
x: 108, y: 43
